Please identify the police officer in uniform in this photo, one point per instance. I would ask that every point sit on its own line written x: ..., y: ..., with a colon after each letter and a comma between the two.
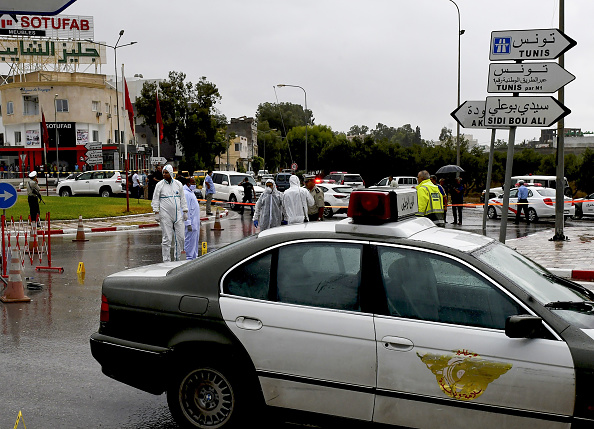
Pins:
x: 33, y: 197
x: 316, y: 211
x: 429, y: 199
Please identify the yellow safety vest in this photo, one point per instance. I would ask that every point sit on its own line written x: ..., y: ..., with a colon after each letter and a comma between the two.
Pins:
x: 429, y: 199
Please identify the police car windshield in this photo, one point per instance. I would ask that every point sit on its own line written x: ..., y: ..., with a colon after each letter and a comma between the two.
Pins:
x: 539, y: 283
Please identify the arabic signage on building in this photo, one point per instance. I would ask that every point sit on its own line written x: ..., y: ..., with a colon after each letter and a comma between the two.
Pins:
x: 523, y: 111
x: 34, y: 51
x: 529, y: 44
x: 543, y: 77
x: 54, y: 27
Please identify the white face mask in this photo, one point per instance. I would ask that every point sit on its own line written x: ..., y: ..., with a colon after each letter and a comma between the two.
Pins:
x: 268, y: 190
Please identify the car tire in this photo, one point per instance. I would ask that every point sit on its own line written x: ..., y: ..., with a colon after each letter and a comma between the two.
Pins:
x: 65, y: 192
x: 232, y: 201
x: 328, y: 212
x: 105, y: 192
x: 491, y: 213
x: 578, y: 213
x: 532, y: 216
x: 205, y: 397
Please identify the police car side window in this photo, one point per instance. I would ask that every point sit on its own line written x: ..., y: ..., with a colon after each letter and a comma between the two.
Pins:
x: 383, y: 182
x: 251, y: 279
x: 513, y: 193
x: 426, y: 286
x: 324, y: 275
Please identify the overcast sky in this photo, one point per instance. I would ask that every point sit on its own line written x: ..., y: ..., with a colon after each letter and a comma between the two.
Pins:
x: 361, y: 62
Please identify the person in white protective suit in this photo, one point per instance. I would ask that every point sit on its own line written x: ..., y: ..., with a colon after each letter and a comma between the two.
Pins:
x: 268, y: 212
x: 295, y: 202
x: 171, y: 211
x: 193, y: 223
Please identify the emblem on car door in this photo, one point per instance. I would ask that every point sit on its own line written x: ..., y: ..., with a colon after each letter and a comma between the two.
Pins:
x: 463, y: 375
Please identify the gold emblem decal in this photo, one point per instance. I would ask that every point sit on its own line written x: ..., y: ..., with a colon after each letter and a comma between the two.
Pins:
x: 463, y: 375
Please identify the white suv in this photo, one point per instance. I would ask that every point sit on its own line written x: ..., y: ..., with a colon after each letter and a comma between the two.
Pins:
x: 227, y: 186
x: 104, y: 183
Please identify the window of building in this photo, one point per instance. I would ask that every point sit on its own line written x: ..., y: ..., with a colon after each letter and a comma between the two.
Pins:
x: 2, y: 139
x: 95, y: 106
x: 62, y: 105
x: 10, y: 108
x: 237, y: 147
x: 95, y: 135
x: 107, y: 108
x: 30, y: 105
x: 17, y: 137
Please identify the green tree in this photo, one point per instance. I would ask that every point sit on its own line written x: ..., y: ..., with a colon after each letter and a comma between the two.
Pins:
x: 189, y: 117
x: 585, y: 180
x: 284, y: 116
x: 357, y: 130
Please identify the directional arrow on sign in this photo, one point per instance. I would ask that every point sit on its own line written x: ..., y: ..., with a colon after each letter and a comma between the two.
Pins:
x: 94, y: 153
x: 523, y: 111
x: 527, y: 77
x: 93, y: 146
x: 8, y: 195
x: 470, y: 114
x: 545, y: 44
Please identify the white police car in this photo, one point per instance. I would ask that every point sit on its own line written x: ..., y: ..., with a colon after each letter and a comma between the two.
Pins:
x: 371, y: 319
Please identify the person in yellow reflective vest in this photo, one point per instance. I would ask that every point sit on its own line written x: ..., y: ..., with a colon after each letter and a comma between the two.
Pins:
x: 429, y: 199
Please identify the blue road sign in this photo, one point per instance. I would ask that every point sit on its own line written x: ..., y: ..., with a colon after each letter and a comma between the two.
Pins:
x: 8, y: 195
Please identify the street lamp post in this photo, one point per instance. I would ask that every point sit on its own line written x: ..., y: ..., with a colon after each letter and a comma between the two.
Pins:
x: 57, y: 140
x: 115, y: 53
x: 281, y: 85
x: 460, y: 33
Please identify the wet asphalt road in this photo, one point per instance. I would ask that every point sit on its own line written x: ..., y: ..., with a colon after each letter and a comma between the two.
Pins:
x: 48, y: 372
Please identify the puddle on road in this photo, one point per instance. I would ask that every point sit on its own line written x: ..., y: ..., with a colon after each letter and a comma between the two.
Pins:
x: 586, y: 238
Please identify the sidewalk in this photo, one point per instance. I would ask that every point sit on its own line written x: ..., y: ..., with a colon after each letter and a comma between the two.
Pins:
x: 572, y: 259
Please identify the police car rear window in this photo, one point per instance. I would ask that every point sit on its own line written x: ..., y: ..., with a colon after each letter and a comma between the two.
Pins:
x: 353, y: 178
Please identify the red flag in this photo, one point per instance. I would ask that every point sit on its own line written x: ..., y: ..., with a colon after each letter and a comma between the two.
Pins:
x: 44, y: 132
x: 129, y: 107
x: 159, y: 120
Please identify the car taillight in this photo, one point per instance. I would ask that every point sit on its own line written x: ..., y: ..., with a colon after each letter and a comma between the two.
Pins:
x: 118, y: 179
x: 548, y: 201
x: 104, y: 316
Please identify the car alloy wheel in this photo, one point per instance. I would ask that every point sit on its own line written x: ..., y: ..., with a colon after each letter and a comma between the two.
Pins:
x: 65, y: 192
x: 491, y: 213
x: 202, y: 398
x: 232, y: 201
x: 532, y: 216
x: 105, y: 193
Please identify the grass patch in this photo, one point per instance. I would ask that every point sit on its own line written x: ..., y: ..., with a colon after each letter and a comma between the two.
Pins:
x: 62, y: 208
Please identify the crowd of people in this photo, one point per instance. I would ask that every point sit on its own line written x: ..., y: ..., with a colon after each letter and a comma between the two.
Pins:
x: 433, y: 200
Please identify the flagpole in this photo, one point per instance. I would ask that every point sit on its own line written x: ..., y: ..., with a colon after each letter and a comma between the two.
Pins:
x: 158, y: 129
x: 44, y: 153
x: 125, y: 144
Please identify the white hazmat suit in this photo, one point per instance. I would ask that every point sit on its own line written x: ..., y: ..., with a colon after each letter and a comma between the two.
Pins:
x: 268, y: 212
x: 295, y: 202
x: 192, y: 224
x: 171, y: 210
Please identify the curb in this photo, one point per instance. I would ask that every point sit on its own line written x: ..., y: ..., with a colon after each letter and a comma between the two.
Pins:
x: 584, y: 275
x: 225, y: 213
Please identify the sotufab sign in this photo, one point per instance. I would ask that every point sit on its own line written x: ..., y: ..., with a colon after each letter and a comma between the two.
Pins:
x: 55, y: 27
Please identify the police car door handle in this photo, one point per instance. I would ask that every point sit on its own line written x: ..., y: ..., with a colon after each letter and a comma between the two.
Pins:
x: 248, y: 323
x: 397, y: 343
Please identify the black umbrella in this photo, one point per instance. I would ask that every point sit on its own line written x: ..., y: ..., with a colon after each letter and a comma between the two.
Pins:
x: 450, y: 169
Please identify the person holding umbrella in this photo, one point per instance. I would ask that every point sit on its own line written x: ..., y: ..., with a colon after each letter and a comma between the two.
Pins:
x: 457, y: 200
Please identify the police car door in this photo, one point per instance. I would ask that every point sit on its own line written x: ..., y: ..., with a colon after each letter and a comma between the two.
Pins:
x: 588, y: 205
x: 444, y: 359
x: 296, y: 309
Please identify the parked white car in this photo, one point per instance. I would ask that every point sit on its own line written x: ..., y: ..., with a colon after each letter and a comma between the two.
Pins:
x: 541, y: 204
x: 402, y: 181
x: 336, y: 198
x: 227, y: 186
x: 104, y: 183
x: 584, y: 206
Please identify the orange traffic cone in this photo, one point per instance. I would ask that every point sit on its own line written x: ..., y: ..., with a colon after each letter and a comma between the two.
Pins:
x: 80, y: 232
x: 217, y: 224
x: 15, y: 291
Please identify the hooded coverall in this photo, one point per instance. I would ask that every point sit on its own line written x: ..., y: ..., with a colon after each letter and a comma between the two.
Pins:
x: 296, y: 201
x: 192, y: 237
x: 169, y: 202
x: 268, y: 210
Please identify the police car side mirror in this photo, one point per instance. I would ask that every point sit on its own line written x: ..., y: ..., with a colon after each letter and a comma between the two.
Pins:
x: 225, y: 183
x: 523, y: 326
